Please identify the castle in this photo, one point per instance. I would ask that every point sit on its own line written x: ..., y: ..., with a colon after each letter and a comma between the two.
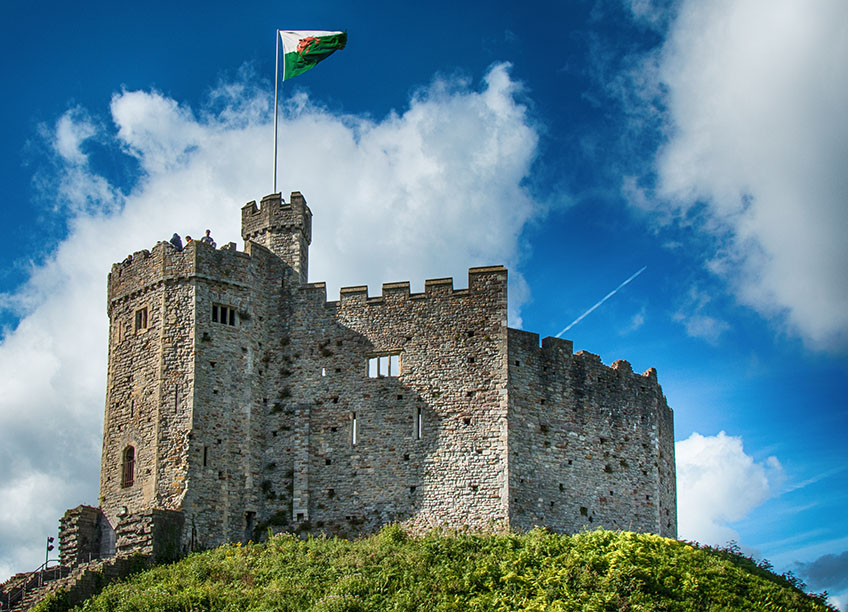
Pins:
x: 239, y: 399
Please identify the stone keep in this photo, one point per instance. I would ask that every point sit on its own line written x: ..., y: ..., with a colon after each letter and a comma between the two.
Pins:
x: 243, y: 399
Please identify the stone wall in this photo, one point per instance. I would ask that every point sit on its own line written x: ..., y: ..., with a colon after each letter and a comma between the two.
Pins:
x: 590, y: 445
x: 154, y: 534
x: 237, y: 371
x: 81, y: 535
x: 149, y: 396
x: 430, y: 442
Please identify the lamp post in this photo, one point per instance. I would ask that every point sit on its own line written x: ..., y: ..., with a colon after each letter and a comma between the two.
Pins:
x: 47, y: 552
x: 46, y: 560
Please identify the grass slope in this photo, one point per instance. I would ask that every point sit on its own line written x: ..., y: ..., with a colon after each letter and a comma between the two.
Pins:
x: 597, y: 570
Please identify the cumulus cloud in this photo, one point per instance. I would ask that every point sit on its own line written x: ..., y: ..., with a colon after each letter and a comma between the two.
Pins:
x: 754, y: 96
x: 717, y: 484
x: 425, y: 192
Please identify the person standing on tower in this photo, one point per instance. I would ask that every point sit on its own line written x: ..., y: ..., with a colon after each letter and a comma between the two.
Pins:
x: 208, y: 239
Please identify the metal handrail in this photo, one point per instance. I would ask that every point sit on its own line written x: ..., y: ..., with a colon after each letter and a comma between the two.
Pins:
x: 21, y: 593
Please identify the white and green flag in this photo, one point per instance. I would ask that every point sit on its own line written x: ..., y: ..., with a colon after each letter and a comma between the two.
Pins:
x: 304, y: 48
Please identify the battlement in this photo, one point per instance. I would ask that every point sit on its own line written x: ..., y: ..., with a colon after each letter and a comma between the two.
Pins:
x: 274, y: 214
x: 555, y: 350
x: 144, y: 269
x: 479, y: 280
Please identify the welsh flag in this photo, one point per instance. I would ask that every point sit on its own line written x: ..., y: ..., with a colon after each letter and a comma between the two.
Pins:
x: 305, y: 48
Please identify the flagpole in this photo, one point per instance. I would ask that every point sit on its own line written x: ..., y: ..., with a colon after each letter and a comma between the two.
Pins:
x: 276, y: 85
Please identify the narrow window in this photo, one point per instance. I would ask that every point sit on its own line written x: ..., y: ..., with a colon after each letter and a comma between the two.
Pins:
x: 206, y: 455
x: 353, y: 429
x: 419, y: 421
x: 249, y: 522
x: 214, y: 313
x: 141, y: 319
x: 132, y: 408
x: 128, y: 467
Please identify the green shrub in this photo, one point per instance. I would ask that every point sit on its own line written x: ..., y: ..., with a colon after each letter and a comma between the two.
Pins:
x: 537, y: 571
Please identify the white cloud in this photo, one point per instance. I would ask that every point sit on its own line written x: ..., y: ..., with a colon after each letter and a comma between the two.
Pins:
x: 636, y: 321
x: 756, y: 93
x: 424, y: 193
x: 840, y: 601
x: 72, y: 129
x: 693, y: 315
x: 718, y: 484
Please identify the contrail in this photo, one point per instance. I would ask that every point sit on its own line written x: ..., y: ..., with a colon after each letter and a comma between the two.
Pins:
x: 606, y: 297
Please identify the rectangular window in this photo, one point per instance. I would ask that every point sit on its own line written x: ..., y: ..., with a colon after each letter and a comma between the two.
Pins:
x: 225, y: 315
x: 353, y: 428
x: 384, y: 365
x: 140, y: 319
x: 419, y: 421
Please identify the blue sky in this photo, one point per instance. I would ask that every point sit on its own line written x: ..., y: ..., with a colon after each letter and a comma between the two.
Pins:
x: 574, y: 142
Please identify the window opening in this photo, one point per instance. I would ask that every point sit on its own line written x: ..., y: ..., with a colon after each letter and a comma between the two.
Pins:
x: 353, y: 431
x: 141, y: 319
x: 205, y: 456
x: 384, y: 365
x: 419, y: 421
x: 249, y: 522
x: 128, y: 467
x: 224, y: 315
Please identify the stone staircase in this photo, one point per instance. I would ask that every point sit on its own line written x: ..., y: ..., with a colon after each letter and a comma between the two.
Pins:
x: 20, y: 589
x: 85, y: 580
x: 87, y: 546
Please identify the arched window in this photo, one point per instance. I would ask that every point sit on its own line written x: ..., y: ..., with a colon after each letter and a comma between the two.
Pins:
x: 128, y: 467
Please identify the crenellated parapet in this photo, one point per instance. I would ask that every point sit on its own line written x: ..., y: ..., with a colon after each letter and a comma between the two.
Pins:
x: 480, y: 280
x: 559, y: 351
x: 274, y: 214
x: 145, y: 270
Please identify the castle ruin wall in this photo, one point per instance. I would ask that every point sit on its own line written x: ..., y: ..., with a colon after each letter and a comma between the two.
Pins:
x: 589, y: 445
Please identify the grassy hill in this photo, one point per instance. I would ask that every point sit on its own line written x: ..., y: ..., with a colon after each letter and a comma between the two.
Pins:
x: 597, y: 570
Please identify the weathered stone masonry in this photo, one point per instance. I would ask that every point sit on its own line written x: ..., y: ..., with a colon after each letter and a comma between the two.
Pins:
x: 242, y: 399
